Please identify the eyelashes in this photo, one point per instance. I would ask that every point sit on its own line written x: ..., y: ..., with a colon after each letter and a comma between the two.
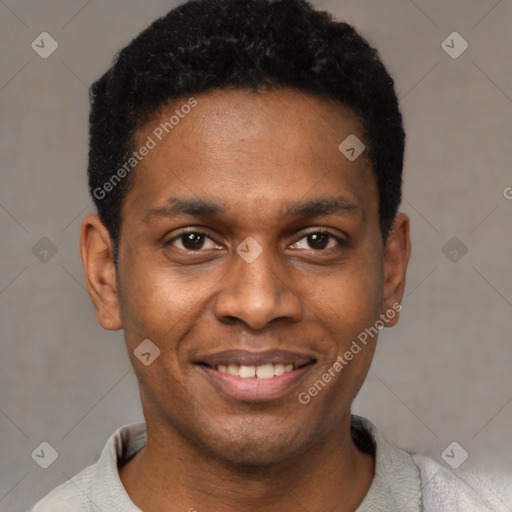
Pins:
x: 193, y: 240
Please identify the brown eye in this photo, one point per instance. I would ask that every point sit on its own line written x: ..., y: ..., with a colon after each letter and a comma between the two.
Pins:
x: 319, y: 241
x: 192, y: 241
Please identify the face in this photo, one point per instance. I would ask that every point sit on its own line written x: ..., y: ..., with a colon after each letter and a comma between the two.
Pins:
x: 250, y: 244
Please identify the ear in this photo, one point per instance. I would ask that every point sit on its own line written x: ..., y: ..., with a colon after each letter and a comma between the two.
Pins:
x: 96, y: 249
x: 396, y: 252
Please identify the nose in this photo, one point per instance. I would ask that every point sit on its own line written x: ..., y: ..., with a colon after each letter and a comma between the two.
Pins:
x: 257, y: 293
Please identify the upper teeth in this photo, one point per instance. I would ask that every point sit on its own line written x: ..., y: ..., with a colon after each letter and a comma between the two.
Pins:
x: 265, y: 371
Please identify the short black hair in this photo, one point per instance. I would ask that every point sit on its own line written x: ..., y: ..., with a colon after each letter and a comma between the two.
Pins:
x: 248, y: 44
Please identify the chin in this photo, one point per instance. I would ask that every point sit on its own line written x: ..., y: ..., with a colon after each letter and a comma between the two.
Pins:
x: 255, y: 447
x: 255, y: 455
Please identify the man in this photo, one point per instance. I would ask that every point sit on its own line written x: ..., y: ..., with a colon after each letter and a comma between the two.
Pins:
x: 245, y: 160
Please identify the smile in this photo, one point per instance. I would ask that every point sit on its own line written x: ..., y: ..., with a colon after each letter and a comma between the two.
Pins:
x: 271, y: 375
x: 265, y: 371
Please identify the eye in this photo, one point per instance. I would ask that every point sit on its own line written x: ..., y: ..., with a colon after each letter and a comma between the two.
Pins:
x: 192, y: 241
x: 195, y: 241
x: 320, y: 241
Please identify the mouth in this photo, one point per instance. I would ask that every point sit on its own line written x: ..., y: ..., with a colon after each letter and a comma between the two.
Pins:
x: 255, y: 376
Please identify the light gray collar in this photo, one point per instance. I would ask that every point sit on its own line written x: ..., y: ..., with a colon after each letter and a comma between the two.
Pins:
x: 396, y: 485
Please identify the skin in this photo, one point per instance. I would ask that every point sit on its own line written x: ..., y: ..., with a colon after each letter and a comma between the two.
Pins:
x: 256, y: 153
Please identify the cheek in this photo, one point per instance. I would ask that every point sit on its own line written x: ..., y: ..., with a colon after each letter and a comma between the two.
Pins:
x: 350, y: 295
x: 161, y: 303
x: 361, y: 311
x: 348, y: 312
x: 347, y: 303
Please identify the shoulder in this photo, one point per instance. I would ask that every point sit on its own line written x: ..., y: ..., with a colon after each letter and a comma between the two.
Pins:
x: 98, y: 487
x: 71, y: 495
x: 449, y: 491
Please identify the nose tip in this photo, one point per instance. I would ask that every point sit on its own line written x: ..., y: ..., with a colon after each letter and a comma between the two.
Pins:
x: 256, y: 293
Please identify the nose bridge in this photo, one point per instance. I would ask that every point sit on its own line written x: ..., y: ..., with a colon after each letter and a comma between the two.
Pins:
x: 261, y: 274
x: 256, y: 290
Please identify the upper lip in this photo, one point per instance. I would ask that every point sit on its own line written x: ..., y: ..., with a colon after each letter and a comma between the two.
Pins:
x: 250, y: 358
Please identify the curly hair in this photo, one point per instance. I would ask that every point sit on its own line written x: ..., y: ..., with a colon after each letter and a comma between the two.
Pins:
x: 250, y: 44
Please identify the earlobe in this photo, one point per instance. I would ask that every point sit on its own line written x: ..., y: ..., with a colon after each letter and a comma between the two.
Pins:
x: 397, y: 253
x: 100, y: 272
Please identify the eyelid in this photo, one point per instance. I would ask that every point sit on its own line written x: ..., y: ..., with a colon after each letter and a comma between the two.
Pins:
x: 343, y: 242
x: 196, y: 231
x: 199, y: 231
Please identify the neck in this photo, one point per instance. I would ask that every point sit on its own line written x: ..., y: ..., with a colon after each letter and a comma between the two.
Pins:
x: 170, y: 474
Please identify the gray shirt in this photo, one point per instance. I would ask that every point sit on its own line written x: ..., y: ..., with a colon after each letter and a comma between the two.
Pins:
x: 402, y: 482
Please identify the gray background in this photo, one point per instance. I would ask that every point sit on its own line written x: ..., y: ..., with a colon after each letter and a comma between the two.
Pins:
x: 442, y: 375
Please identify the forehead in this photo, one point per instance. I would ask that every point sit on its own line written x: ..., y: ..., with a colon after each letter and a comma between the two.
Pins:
x: 243, y: 149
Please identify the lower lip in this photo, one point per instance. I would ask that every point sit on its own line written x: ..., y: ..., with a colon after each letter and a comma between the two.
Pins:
x: 253, y: 389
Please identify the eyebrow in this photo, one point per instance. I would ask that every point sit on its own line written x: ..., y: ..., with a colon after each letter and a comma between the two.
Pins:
x: 203, y: 208
x: 321, y: 206
x: 179, y: 206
